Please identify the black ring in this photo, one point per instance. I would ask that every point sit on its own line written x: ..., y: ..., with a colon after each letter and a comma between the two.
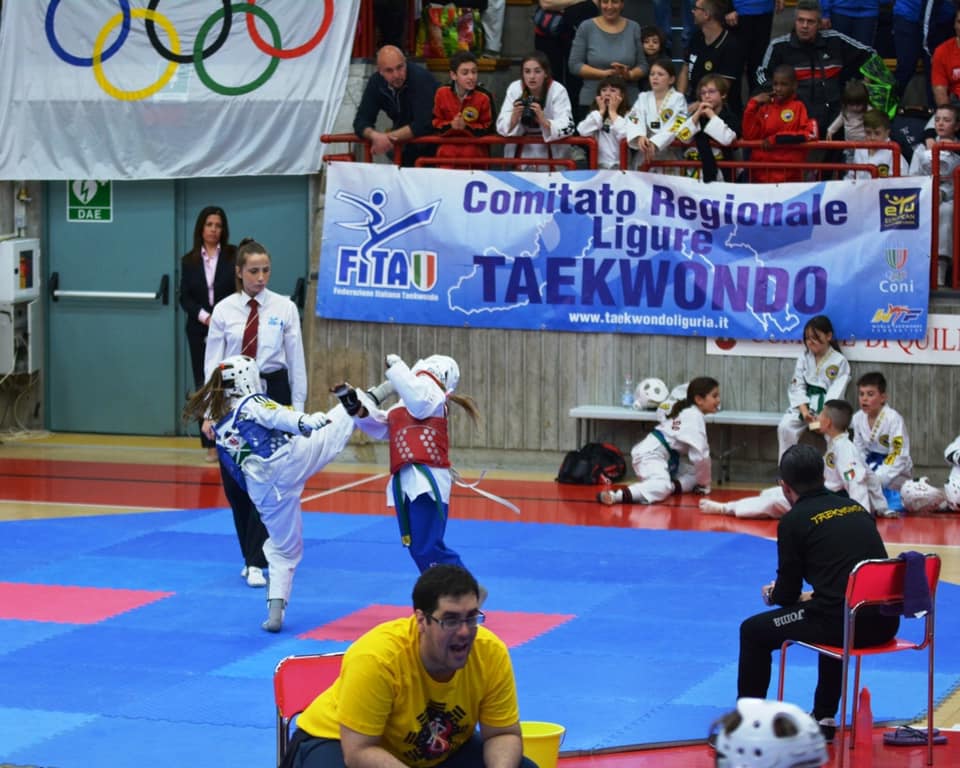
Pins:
x: 187, y: 58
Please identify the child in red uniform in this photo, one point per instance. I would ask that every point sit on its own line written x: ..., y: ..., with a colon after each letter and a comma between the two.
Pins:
x: 463, y: 108
x: 779, y: 119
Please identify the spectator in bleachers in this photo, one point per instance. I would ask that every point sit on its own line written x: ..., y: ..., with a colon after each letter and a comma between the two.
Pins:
x: 463, y: 108
x: 607, y: 123
x: 404, y: 92
x: 536, y: 105
x: 555, y: 25
x: 945, y: 69
x: 492, y: 21
x: 753, y: 20
x: 663, y: 16
x: 823, y: 60
x: 946, y: 123
x: 848, y: 124
x: 876, y: 127
x: 856, y: 19
x: 709, y: 118
x: 608, y: 44
x: 656, y: 116
x: 919, y: 27
x: 780, y: 120
x: 390, y: 18
x: 712, y: 50
x: 654, y: 47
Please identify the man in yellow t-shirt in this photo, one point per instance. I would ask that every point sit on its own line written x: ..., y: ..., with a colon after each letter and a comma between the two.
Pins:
x: 411, y: 692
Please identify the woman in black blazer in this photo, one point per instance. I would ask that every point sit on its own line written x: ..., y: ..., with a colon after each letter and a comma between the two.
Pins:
x: 207, y: 274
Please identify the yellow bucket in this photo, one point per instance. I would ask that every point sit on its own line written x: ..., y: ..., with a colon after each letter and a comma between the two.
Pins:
x: 541, y: 742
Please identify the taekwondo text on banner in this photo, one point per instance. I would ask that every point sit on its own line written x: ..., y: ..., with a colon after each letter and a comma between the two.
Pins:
x: 103, y: 90
x: 620, y: 252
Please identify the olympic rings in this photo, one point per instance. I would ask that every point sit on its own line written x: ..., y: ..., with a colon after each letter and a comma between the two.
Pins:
x: 293, y: 53
x: 77, y: 61
x: 143, y: 93
x: 198, y: 51
x: 187, y: 58
x: 173, y: 54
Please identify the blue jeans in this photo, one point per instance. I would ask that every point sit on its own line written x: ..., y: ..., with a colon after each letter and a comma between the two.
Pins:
x: 862, y: 28
x: 326, y: 753
x: 662, y: 13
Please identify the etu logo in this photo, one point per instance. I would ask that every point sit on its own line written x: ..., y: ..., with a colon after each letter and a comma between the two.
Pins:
x: 373, y: 263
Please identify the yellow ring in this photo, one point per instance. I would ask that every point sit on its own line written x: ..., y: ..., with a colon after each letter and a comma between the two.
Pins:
x: 143, y: 93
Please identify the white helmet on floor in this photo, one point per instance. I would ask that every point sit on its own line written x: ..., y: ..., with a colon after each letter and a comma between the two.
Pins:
x: 649, y: 394
x: 241, y: 376
x: 769, y: 734
x: 442, y: 368
x: 920, y: 496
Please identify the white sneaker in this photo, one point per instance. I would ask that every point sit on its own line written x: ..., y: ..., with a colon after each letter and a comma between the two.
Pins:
x: 255, y: 577
x: 711, y: 507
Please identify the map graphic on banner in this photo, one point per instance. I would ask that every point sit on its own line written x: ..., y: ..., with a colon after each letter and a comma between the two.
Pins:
x: 605, y: 251
x: 138, y: 89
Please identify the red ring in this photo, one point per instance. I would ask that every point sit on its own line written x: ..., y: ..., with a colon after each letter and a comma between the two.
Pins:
x: 293, y: 53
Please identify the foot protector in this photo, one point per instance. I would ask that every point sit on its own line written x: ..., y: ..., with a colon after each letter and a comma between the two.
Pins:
x: 275, y: 611
x: 347, y: 395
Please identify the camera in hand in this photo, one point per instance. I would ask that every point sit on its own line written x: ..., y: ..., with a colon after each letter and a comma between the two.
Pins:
x: 528, y: 117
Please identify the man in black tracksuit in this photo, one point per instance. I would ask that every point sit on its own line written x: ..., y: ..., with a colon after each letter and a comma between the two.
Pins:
x: 824, y: 61
x: 819, y: 540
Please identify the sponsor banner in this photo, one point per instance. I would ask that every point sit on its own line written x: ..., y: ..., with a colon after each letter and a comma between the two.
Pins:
x: 138, y: 89
x: 605, y: 251
x: 940, y: 346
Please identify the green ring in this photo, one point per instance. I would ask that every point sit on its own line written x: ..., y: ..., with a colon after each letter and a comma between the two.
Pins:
x: 239, y: 90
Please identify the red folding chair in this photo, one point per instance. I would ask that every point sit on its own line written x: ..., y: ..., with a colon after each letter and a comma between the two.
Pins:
x: 875, y: 582
x: 297, y: 681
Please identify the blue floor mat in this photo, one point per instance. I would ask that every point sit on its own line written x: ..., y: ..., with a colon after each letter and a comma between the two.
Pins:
x: 649, y: 655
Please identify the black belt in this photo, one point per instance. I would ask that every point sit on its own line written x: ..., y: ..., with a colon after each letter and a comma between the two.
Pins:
x: 274, y: 375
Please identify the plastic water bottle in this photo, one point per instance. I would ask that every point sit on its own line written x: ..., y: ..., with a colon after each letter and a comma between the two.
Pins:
x: 626, y: 397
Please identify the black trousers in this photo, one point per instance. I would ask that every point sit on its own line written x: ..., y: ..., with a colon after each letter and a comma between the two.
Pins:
x: 765, y: 632
x: 251, y: 532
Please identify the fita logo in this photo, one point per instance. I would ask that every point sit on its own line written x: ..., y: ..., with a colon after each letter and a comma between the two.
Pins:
x: 900, y: 208
x: 373, y: 263
x: 896, y: 314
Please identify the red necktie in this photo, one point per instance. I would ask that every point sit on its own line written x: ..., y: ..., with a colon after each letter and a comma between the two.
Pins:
x: 249, y: 345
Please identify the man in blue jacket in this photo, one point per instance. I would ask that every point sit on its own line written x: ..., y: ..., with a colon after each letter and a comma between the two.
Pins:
x: 404, y: 92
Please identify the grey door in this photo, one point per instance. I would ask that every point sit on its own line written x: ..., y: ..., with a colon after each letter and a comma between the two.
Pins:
x: 111, y: 356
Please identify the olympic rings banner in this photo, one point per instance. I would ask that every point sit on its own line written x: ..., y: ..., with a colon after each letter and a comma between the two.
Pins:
x: 143, y: 89
x: 605, y: 251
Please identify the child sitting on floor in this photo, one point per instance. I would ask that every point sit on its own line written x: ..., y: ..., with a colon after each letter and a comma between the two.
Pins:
x: 656, y: 459
x: 844, y: 472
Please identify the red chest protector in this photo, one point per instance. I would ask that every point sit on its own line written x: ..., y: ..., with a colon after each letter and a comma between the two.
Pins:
x: 417, y: 441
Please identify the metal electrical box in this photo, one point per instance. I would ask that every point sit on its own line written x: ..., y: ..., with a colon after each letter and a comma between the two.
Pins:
x: 19, y: 269
x: 20, y: 338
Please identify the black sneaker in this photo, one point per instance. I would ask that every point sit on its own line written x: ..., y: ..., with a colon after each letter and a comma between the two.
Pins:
x: 828, y: 727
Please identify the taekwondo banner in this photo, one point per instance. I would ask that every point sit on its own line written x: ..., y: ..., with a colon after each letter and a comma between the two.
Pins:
x: 131, y: 89
x: 606, y: 251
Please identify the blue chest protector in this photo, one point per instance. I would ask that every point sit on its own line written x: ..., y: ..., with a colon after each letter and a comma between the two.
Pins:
x: 247, y: 438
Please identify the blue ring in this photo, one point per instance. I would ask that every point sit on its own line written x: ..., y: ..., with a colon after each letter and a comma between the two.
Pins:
x: 77, y: 61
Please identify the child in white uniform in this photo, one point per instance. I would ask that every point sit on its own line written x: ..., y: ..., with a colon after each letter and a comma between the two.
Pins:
x: 880, y: 434
x: 656, y: 116
x: 607, y: 123
x: 270, y: 450
x: 844, y: 472
x: 419, y: 489
x: 876, y: 127
x: 674, y: 457
x: 821, y: 374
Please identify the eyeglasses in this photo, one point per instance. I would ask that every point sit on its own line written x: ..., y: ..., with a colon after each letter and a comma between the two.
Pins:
x: 452, y: 623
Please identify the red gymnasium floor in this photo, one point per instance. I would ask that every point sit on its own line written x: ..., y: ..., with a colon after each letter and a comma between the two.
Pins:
x: 73, y: 475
